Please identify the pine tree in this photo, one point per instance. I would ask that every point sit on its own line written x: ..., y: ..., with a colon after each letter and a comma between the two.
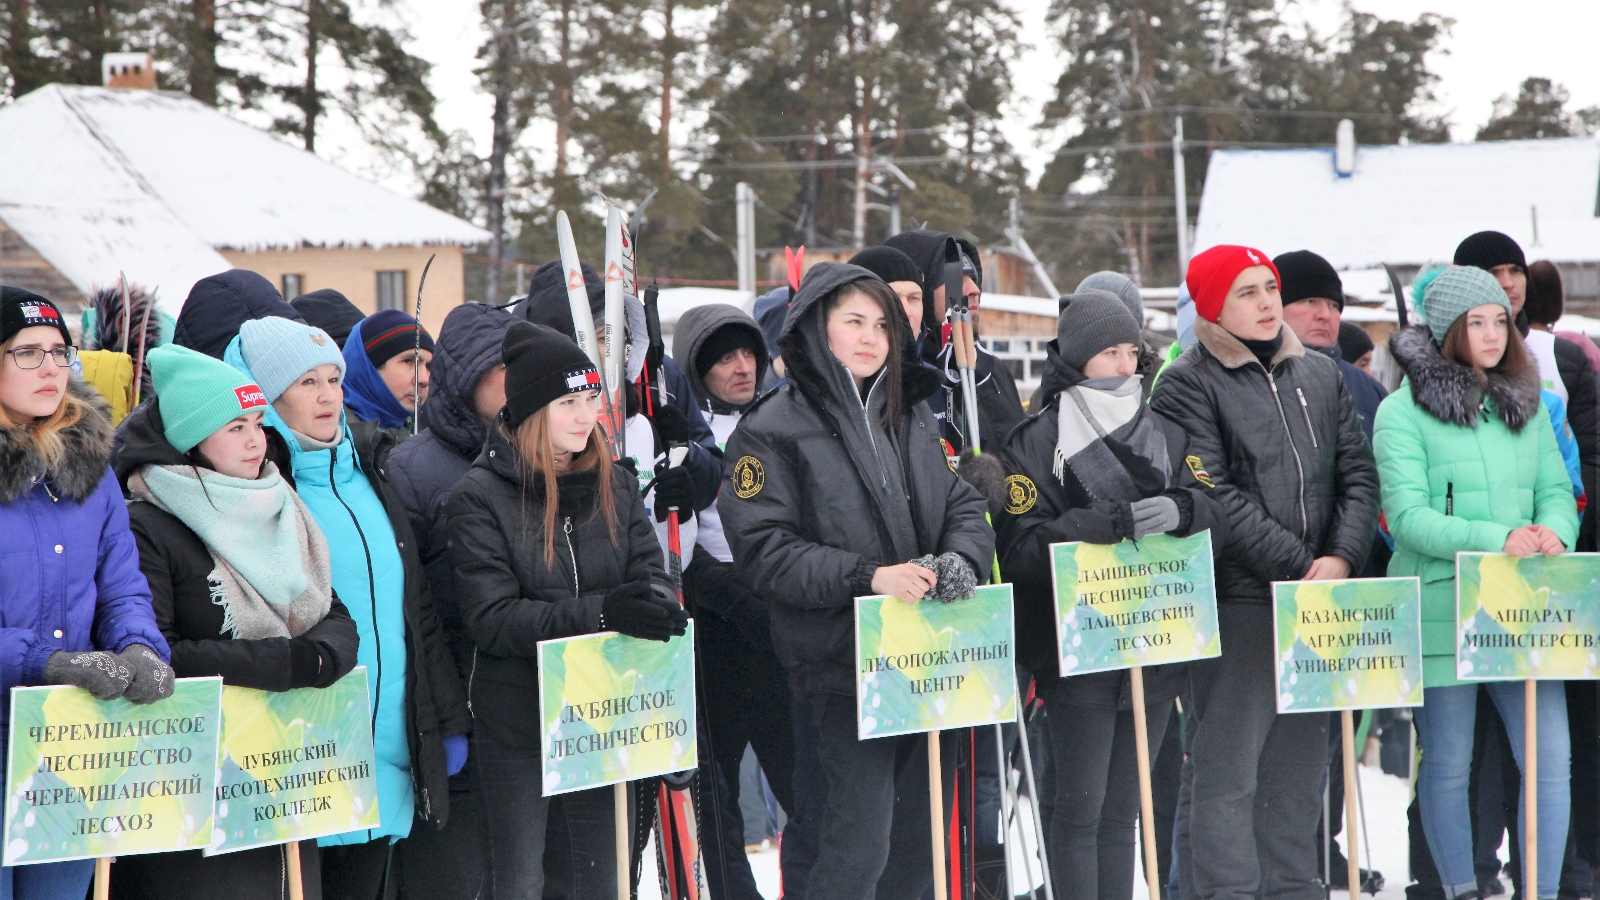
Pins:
x: 1539, y: 110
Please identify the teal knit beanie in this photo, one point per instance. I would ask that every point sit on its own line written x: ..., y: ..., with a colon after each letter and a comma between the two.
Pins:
x: 279, y: 351
x: 198, y: 394
x: 1457, y: 290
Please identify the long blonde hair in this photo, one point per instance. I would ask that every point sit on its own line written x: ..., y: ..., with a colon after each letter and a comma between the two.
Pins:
x: 45, y: 433
x: 536, y: 458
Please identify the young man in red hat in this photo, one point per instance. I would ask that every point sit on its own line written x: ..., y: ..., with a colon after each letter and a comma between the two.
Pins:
x: 1273, y: 432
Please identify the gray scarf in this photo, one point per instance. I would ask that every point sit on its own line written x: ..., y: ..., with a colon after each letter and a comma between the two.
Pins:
x: 1106, y: 436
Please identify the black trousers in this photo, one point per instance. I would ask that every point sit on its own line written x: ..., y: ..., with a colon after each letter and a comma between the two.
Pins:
x: 259, y: 874
x: 358, y: 872
x: 1256, y: 785
x: 445, y: 863
x: 875, y: 841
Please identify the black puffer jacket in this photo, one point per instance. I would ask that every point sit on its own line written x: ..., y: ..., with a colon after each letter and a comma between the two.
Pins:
x: 425, y: 468
x: 510, y: 600
x: 1583, y: 415
x: 1060, y: 511
x: 1292, y: 468
x: 177, y: 565
x: 819, y: 494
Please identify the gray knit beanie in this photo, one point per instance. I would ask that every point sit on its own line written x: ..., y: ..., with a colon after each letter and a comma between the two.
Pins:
x: 1457, y: 290
x: 1090, y: 322
x: 1119, y: 284
x: 279, y: 351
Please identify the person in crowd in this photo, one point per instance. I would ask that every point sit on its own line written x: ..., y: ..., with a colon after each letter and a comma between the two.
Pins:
x: 999, y: 404
x: 745, y: 689
x: 1469, y: 463
x: 1152, y: 346
x: 340, y: 470
x: 1562, y: 365
x: 840, y: 488
x: 1546, y: 303
x: 77, y: 608
x: 1313, y: 303
x: 1356, y: 346
x: 770, y: 310
x: 1274, y: 436
x: 902, y: 275
x: 1094, y: 464
x: 548, y: 539
x: 218, y: 304
x: 469, y: 389
x: 387, y: 360
x: 329, y: 310
x: 241, y: 580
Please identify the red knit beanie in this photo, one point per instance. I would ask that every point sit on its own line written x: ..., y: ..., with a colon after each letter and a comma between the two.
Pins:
x: 1211, y: 274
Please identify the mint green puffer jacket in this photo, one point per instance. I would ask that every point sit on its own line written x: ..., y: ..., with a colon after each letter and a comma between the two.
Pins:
x: 1488, y: 457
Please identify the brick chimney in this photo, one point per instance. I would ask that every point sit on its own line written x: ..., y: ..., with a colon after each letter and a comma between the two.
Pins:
x: 128, y: 70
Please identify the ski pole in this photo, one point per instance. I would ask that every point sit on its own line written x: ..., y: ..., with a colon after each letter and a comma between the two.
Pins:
x: 416, y: 354
x: 1038, y: 823
x: 1366, y: 840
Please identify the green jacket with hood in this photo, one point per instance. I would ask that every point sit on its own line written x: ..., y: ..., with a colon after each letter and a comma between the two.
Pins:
x: 1462, y: 463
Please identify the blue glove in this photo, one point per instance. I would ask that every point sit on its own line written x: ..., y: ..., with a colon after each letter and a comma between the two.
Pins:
x: 455, y: 753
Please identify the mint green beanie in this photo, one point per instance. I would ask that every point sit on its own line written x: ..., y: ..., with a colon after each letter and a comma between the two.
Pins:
x: 198, y: 394
x: 1456, y: 290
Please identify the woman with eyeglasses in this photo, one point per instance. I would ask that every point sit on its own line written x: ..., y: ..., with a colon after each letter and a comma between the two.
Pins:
x: 69, y: 568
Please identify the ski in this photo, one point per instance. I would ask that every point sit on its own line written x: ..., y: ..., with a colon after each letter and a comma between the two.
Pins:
x: 615, y: 331
x: 577, y: 291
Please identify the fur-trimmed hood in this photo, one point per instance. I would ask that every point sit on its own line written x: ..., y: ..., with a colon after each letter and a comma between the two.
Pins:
x: 1454, y: 393
x: 88, y: 444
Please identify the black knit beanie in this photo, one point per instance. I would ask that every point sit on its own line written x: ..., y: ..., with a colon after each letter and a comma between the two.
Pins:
x: 1488, y: 249
x: 1304, y: 275
x: 1090, y: 322
x: 542, y: 366
x: 21, y: 308
x: 725, y: 340
x: 388, y: 333
x: 1354, y: 342
x: 888, y: 263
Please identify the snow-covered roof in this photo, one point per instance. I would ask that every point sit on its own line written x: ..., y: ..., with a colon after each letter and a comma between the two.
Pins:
x: 104, y: 181
x: 1407, y: 204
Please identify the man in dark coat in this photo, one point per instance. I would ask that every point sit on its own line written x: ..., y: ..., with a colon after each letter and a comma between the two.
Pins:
x: 1313, y: 303
x: 218, y: 304
x: 999, y: 404
x: 1273, y: 432
x: 468, y: 391
x: 745, y: 691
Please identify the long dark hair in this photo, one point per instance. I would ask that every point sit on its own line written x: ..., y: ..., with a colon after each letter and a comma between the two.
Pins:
x: 1515, y: 362
x: 899, y: 337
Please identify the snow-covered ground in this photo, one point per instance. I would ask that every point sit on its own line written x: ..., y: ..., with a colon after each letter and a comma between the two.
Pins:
x: 1385, y: 796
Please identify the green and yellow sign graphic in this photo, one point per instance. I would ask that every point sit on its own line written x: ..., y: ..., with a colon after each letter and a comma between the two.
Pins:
x: 1137, y: 603
x: 615, y: 708
x: 927, y: 666
x: 1528, y: 617
x: 88, y: 778
x: 295, y: 764
x: 1354, y: 644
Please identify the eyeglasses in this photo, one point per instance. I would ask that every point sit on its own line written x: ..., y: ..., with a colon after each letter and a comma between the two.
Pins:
x: 33, y: 357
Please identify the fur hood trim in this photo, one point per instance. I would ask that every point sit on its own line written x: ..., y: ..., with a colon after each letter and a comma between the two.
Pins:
x: 1457, y: 394
x: 88, y: 446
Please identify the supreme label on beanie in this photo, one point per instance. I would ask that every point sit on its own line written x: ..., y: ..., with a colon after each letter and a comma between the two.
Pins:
x: 250, y: 396
x: 583, y: 380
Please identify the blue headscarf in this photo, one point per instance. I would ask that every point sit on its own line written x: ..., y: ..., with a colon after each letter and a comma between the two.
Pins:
x: 364, y: 390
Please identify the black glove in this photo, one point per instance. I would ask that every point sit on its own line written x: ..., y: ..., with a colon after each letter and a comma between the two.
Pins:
x: 674, y: 487
x: 671, y: 425
x: 636, y: 610
x: 152, y: 678
x: 97, y: 672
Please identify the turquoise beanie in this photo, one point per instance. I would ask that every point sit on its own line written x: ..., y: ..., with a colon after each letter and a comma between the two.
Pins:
x: 278, y: 351
x: 1457, y: 290
x: 198, y: 394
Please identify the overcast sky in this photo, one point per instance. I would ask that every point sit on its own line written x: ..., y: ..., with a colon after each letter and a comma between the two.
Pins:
x: 1493, y: 46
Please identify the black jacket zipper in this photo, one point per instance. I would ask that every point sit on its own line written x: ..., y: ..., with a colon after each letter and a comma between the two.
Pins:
x: 1305, y: 523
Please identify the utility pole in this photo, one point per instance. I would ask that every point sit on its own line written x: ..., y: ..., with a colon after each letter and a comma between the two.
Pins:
x: 1181, y: 197
x: 894, y: 209
x: 745, y: 226
x: 1014, y: 233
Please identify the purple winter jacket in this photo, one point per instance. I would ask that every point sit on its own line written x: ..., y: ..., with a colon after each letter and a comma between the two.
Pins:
x: 69, y: 567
